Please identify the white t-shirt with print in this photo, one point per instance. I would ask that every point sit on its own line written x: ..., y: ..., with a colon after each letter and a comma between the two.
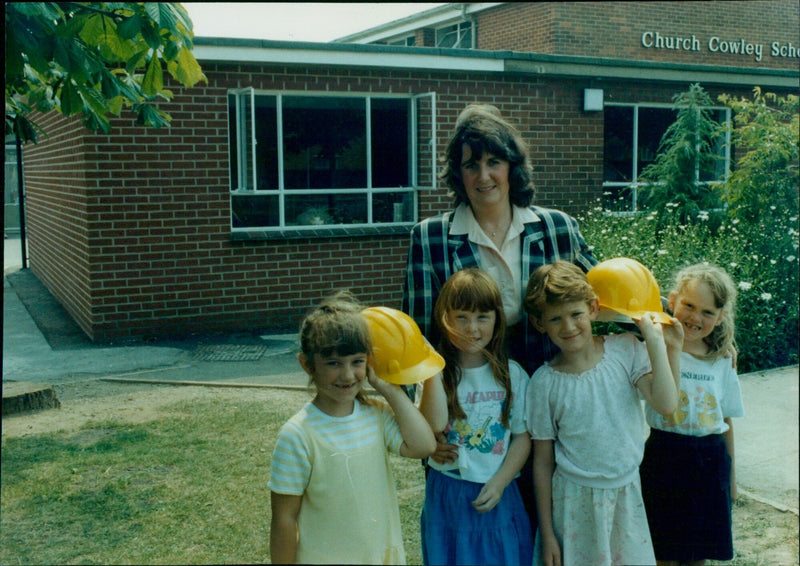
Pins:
x: 481, y: 438
x: 709, y: 393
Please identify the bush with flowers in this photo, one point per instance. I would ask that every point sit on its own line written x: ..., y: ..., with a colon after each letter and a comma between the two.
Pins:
x: 761, y: 257
x: 754, y: 238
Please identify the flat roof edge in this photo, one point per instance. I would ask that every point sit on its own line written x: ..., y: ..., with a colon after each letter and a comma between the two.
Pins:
x: 236, y: 50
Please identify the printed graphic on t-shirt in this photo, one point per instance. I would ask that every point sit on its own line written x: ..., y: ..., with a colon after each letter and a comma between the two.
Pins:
x: 705, y: 405
x: 482, y: 431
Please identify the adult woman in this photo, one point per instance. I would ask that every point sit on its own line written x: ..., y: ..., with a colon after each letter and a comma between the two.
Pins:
x: 493, y: 226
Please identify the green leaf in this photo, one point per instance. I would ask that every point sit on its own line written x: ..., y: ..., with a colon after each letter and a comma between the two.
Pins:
x: 71, y: 101
x: 150, y: 116
x: 185, y: 69
x: 154, y: 12
x: 167, y: 18
x: 153, y: 80
x: 130, y: 27
x: 151, y: 35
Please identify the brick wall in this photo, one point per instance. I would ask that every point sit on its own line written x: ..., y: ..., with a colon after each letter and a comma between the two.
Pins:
x: 614, y: 29
x: 131, y: 230
x: 56, y: 201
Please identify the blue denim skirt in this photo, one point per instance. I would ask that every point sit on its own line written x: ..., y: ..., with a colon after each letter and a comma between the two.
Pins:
x: 453, y: 532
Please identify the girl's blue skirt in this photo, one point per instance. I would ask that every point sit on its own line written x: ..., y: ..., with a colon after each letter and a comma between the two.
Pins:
x: 453, y: 532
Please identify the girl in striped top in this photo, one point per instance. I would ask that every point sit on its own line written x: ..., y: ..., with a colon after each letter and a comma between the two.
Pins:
x: 333, y: 495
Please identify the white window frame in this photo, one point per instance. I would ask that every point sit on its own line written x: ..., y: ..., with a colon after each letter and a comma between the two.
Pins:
x: 463, y: 29
x: 634, y: 184
x: 244, y: 153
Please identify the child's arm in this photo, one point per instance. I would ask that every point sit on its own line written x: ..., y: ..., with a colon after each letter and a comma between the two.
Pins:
x: 727, y: 436
x: 433, y: 404
x: 658, y: 386
x: 673, y: 338
x: 283, y: 529
x: 492, y: 491
x: 544, y: 464
x: 418, y: 439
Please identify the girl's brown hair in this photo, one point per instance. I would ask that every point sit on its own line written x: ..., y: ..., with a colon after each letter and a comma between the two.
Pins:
x: 472, y: 290
x: 335, y: 327
x: 483, y: 129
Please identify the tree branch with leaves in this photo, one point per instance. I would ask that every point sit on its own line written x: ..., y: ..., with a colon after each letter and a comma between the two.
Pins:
x: 94, y: 59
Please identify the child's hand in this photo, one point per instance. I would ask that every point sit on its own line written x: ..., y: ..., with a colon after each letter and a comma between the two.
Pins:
x: 381, y: 386
x: 489, y: 496
x: 673, y: 334
x: 445, y: 453
x: 649, y: 329
x: 551, y: 551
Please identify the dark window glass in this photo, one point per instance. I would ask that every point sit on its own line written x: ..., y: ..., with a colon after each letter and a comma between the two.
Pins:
x: 618, y: 144
x: 390, y: 143
x: 324, y: 143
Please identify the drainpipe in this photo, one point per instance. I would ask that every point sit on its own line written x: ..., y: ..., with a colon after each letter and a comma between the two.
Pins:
x: 21, y: 200
x: 472, y: 28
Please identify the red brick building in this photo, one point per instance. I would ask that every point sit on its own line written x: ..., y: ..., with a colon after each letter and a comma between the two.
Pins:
x: 300, y: 167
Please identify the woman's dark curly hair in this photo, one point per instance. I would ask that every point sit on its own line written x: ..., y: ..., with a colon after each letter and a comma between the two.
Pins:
x: 482, y: 128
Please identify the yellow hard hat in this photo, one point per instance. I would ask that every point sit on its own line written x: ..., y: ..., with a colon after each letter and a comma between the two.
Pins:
x: 627, y: 287
x: 400, y: 353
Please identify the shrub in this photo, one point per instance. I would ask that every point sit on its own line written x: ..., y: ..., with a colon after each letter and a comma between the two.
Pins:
x: 762, y: 257
x: 685, y: 156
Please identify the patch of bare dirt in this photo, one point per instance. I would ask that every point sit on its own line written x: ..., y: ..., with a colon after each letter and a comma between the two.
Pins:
x: 763, y: 535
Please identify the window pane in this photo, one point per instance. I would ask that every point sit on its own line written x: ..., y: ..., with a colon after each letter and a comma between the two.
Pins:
x: 251, y: 211
x: 266, y: 143
x: 390, y: 143
x: 465, y: 39
x: 326, y: 209
x: 446, y: 37
x: 393, y: 207
x: 653, y: 122
x: 618, y: 144
x: 324, y: 141
x: 457, y: 35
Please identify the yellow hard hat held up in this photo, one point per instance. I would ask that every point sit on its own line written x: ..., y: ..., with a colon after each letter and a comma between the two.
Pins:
x: 626, y: 287
x: 400, y: 353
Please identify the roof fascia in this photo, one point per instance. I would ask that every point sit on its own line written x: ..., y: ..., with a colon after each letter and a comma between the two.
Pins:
x: 600, y: 68
x: 326, y: 54
x: 469, y: 60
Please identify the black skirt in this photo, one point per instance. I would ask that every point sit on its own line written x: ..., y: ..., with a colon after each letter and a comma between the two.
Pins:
x: 686, y: 483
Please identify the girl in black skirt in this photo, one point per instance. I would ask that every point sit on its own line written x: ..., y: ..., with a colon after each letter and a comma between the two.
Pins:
x: 688, y: 480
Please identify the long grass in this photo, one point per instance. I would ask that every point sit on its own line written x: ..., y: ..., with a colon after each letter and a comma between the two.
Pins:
x: 188, y: 488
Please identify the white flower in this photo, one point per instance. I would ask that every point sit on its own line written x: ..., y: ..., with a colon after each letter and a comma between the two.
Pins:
x: 662, y: 252
x: 735, y: 221
x: 766, y: 296
x: 745, y: 286
x: 733, y: 264
x: 790, y: 258
x: 772, y: 262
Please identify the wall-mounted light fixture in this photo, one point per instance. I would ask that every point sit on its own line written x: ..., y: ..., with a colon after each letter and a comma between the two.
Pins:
x: 592, y: 99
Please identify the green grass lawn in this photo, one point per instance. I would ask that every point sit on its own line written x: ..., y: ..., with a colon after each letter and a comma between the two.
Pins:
x: 187, y: 488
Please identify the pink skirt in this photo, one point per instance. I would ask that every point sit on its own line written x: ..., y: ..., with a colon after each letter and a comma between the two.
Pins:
x: 599, y: 526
